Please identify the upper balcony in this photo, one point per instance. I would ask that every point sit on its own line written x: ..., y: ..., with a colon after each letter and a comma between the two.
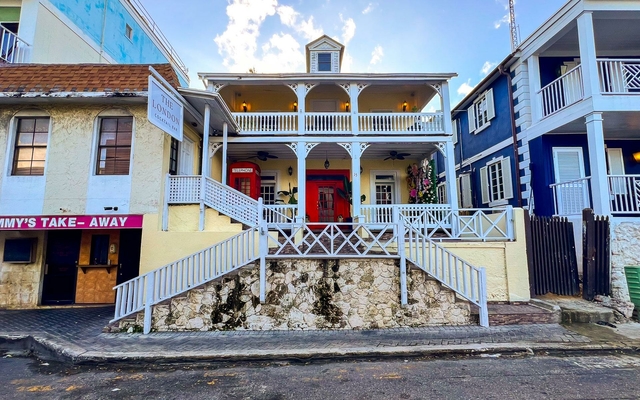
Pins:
x: 13, y: 50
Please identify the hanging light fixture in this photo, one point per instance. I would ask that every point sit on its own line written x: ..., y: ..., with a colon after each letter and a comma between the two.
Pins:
x: 347, y: 107
x: 295, y: 106
x: 404, y: 106
x: 326, y: 161
x: 244, y: 106
x: 290, y: 170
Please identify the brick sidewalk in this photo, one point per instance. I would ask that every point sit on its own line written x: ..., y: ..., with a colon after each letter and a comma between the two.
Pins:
x: 79, y: 330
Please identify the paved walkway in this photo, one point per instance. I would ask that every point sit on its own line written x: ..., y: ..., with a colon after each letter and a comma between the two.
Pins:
x: 76, y: 333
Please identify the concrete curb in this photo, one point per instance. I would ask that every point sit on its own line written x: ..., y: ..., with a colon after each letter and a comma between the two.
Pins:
x: 45, y: 348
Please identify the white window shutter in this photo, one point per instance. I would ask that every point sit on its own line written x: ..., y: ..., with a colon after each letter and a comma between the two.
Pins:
x: 454, y: 126
x: 491, y: 110
x: 471, y: 114
x: 465, y: 191
x: 506, y: 178
x: 616, y: 161
x: 484, y: 183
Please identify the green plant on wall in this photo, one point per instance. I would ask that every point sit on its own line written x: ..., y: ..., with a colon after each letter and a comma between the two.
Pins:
x: 347, y: 192
x: 291, y: 194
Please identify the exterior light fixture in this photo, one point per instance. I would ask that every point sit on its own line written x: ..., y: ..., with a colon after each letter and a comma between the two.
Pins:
x: 361, y: 170
x: 244, y: 106
x: 295, y: 106
x: 290, y: 171
x: 404, y: 106
x: 636, y: 156
x: 326, y: 161
x: 347, y: 107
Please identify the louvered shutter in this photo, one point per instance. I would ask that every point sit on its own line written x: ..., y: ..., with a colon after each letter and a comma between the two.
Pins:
x: 471, y: 114
x: 616, y: 167
x: 465, y: 191
x: 491, y: 110
x: 506, y: 178
x: 484, y: 185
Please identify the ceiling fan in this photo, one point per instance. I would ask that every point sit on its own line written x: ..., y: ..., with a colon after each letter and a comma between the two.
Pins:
x: 264, y: 155
x: 394, y: 155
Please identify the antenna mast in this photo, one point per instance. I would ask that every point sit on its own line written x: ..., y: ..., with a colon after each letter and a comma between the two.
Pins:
x: 512, y: 26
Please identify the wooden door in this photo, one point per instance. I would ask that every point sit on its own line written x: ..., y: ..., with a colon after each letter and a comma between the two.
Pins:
x: 324, y: 204
x: 63, y: 250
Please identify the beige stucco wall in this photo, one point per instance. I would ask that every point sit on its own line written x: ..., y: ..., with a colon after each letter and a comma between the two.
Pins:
x: 65, y: 46
x: 505, y: 263
x: 20, y: 284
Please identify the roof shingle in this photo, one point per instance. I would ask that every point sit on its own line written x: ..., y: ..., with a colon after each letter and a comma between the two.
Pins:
x: 47, y: 78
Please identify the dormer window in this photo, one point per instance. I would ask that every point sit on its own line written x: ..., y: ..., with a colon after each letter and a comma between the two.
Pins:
x: 324, y: 62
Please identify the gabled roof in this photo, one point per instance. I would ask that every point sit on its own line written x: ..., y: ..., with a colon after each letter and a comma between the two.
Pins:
x: 324, y: 42
x: 51, y: 78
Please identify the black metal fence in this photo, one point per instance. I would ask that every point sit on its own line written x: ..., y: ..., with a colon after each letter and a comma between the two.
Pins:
x: 551, y: 250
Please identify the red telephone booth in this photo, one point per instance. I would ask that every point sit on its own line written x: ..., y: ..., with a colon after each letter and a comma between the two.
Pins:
x: 244, y: 177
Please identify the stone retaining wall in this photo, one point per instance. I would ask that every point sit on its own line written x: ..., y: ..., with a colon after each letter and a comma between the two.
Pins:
x: 624, y: 251
x: 313, y: 294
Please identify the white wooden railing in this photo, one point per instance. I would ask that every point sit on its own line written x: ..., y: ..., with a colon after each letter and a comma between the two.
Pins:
x: 625, y: 193
x: 441, y: 222
x: 563, y: 92
x: 145, y: 291
x: 280, y: 213
x: 323, y: 122
x: 397, y: 123
x: 619, y: 76
x: 452, y: 271
x: 13, y: 50
x: 284, y: 122
x: 571, y: 197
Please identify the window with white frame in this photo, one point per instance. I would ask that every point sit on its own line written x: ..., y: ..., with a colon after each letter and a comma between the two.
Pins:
x: 465, y: 199
x: 268, y: 188
x: 442, y: 193
x: 481, y: 112
x: 324, y: 62
x: 496, y: 182
x: 454, y: 128
x: 114, y: 146
x: 30, y: 151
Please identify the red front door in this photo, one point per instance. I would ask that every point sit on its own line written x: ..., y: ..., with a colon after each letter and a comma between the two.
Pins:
x: 324, y: 204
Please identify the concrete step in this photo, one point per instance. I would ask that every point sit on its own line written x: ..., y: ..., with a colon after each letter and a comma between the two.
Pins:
x: 577, y: 310
x: 519, y: 314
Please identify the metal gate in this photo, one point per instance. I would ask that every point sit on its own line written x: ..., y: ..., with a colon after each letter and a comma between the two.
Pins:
x: 596, y: 276
x: 551, y: 252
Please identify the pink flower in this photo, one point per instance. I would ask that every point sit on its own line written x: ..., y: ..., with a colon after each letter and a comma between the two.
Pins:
x: 426, y: 182
x: 413, y: 193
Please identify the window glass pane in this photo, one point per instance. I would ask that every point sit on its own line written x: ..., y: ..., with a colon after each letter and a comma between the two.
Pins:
x: 109, y: 125
x: 121, y: 167
x: 39, y: 153
x: 37, y: 168
x: 42, y: 125
x: 26, y: 125
x: 124, y: 138
x: 22, y: 168
x: 25, y: 139
x: 107, y: 139
x: 125, y: 124
x: 23, y: 154
x: 40, y: 138
x: 324, y: 62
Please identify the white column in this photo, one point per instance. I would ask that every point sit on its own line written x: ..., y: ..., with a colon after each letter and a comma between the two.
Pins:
x: 205, y: 141
x: 356, y: 187
x: 446, y: 108
x: 588, y: 61
x: 450, y: 173
x: 301, y: 92
x: 533, y: 68
x: 353, y: 99
x: 597, y: 161
x: 301, y: 153
x: 225, y: 144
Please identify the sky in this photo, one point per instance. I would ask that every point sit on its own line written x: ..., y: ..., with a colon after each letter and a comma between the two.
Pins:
x: 468, y: 37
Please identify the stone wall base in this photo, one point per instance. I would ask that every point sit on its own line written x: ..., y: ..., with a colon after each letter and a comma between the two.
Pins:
x: 312, y: 294
x: 625, y: 250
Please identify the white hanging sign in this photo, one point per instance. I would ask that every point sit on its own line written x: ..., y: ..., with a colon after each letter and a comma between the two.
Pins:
x: 163, y: 110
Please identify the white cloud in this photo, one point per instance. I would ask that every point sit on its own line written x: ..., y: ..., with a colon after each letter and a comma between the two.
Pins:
x: 487, y: 67
x: 465, y: 88
x: 348, y: 30
x: 369, y: 8
x: 281, y: 53
x: 290, y: 17
x: 505, y: 18
x: 376, y: 55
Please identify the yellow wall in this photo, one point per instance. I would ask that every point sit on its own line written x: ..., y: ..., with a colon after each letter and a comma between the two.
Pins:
x: 20, y: 284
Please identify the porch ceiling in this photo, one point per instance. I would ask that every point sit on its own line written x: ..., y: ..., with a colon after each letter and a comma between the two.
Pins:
x: 617, y: 33
x: 377, y: 151
x: 617, y: 125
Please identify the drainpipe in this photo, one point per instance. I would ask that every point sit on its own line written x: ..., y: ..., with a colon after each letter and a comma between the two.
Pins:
x: 514, y: 135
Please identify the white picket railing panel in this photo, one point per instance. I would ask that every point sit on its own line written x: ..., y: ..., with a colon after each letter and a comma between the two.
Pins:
x: 571, y: 197
x: 282, y: 122
x: 398, y: 123
x: 184, y: 189
x: 280, y: 213
x: 13, y: 49
x: 327, y: 122
x: 186, y: 273
x: 230, y: 202
x: 619, y: 76
x: 625, y: 194
x: 562, y: 92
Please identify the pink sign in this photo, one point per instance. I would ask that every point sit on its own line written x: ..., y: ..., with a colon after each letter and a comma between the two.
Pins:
x: 41, y: 222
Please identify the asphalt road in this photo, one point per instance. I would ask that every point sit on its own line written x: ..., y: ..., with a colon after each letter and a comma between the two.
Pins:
x: 587, y: 377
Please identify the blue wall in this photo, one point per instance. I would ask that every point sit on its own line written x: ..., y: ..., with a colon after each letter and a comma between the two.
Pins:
x: 88, y: 15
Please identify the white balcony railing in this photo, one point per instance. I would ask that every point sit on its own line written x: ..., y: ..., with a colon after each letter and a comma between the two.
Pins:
x: 619, y: 76
x: 317, y: 122
x: 563, y: 92
x: 571, y: 197
x: 625, y: 193
x: 285, y: 122
x: 390, y: 123
x: 13, y: 50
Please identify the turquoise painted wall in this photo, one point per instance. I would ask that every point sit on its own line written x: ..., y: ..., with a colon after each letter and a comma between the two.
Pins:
x: 88, y: 15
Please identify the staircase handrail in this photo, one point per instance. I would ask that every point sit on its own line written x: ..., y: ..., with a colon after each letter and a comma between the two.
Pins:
x: 230, y: 202
x: 449, y: 269
x: 185, y: 274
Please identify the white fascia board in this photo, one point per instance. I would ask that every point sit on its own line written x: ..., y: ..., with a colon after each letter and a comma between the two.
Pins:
x: 546, y: 125
x: 247, y: 78
x: 334, y: 139
x: 485, y: 153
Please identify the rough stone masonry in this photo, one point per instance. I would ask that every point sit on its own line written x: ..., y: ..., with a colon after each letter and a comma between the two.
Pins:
x: 312, y: 294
